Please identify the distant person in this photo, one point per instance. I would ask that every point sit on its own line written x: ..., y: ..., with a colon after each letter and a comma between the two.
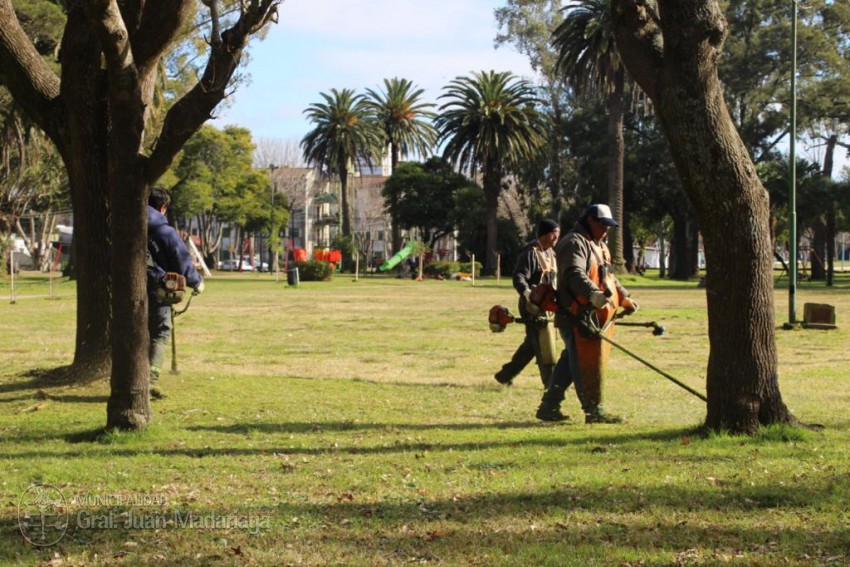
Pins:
x: 535, y: 264
x: 166, y: 253
x: 585, y: 282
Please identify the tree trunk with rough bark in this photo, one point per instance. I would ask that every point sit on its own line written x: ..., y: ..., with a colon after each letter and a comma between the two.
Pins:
x: 671, y: 49
x: 96, y: 116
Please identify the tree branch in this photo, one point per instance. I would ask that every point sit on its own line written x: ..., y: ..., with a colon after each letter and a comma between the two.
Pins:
x: 196, y: 106
x: 22, y: 70
x: 640, y: 41
x: 161, y: 21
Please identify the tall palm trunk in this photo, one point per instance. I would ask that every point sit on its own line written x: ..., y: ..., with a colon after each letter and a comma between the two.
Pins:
x: 616, y: 161
x: 828, y: 162
x: 395, y: 230
x: 343, y: 198
x: 492, y: 185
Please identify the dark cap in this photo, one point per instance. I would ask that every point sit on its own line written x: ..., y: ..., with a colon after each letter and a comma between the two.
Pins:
x: 602, y: 214
x: 546, y: 226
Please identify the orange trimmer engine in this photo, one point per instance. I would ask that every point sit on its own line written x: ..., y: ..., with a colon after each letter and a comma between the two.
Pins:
x: 545, y: 297
x: 499, y: 318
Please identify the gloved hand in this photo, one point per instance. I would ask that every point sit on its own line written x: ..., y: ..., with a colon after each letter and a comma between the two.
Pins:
x: 532, y: 309
x: 199, y: 289
x: 629, y: 306
x: 599, y: 299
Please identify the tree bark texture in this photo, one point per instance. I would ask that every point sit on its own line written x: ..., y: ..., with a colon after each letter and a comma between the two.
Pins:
x: 95, y: 113
x: 671, y: 47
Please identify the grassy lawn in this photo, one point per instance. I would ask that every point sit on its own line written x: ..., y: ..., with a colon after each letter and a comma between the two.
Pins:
x: 358, y: 423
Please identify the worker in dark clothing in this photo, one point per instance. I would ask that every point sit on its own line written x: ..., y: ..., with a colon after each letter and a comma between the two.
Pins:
x: 586, y: 282
x: 166, y: 254
x: 535, y: 264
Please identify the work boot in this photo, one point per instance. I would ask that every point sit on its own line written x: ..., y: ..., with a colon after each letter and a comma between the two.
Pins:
x: 156, y: 392
x: 504, y: 380
x: 596, y: 415
x: 551, y: 414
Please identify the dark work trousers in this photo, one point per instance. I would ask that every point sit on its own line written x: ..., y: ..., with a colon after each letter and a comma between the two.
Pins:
x: 527, y: 351
x: 159, y: 328
x: 562, y: 376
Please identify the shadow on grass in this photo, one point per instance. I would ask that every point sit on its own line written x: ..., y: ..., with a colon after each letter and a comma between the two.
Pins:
x: 596, y: 445
x: 47, y: 378
x: 554, y: 525
x: 308, y: 427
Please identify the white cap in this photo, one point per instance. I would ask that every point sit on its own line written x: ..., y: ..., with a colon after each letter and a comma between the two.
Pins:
x: 601, y: 213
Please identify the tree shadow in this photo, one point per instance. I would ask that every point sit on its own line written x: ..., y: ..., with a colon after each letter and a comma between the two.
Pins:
x: 41, y: 378
x: 596, y: 443
x: 583, y: 524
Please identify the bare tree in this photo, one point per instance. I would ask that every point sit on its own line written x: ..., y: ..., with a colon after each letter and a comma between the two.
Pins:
x: 279, y: 152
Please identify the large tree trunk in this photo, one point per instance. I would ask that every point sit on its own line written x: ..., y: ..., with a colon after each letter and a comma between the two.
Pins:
x: 672, y: 53
x: 129, y: 402
x: 84, y: 152
x: 616, y: 161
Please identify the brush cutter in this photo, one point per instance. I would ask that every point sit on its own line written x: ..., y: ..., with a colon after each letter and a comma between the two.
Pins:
x: 500, y: 317
x: 657, y: 329
x: 174, y: 314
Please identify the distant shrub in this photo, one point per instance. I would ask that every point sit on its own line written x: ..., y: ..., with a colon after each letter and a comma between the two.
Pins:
x: 443, y: 268
x: 466, y: 267
x: 314, y: 271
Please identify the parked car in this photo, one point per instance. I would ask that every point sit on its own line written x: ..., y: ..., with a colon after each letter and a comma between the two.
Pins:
x: 232, y: 265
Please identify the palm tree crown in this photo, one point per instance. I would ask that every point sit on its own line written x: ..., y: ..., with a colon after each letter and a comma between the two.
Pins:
x: 404, y: 119
x: 489, y: 123
x: 345, y: 131
x: 587, y: 55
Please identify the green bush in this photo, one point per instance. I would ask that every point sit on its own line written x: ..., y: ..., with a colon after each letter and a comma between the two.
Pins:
x: 467, y: 268
x: 314, y: 271
x: 443, y: 268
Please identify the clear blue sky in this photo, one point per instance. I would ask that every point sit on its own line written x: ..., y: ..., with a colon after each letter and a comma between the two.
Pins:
x: 322, y: 44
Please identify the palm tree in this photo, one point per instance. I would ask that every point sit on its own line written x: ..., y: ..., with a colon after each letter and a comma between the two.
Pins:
x: 589, y: 60
x: 406, y: 125
x: 489, y: 124
x: 345, y: 131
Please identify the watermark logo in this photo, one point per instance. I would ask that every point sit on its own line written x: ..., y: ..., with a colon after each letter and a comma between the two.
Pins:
x: 42, y: 514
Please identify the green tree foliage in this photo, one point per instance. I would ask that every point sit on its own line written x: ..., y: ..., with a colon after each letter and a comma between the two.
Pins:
x: 489, y: 124
x: 345, y: 131
x: 471, y: 207
x: 527, y: 25
x: 217, y: 184
x: 422, y: 196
